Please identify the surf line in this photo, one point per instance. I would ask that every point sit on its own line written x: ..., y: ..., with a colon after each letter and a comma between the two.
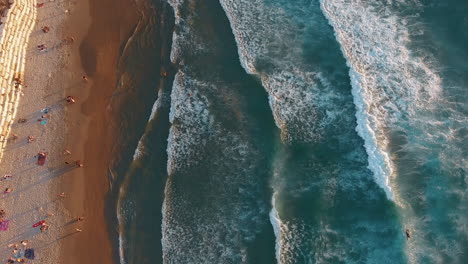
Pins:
x: 368, y: 125
x: 21, y: 19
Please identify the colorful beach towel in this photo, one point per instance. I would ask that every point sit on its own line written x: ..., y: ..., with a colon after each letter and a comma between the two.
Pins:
x: 4, y: 225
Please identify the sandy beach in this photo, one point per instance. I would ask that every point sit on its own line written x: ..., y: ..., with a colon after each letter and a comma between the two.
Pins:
x: 81, y: 40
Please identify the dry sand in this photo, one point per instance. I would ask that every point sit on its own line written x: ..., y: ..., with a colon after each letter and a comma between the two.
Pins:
x: 50, y: 76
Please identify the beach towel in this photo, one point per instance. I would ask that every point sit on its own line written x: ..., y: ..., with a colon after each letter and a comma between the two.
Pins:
x: 4, y: 225
x: 29, y: 253
x: 39, y: 223
x: 41, y: 158
x: 19, y: 254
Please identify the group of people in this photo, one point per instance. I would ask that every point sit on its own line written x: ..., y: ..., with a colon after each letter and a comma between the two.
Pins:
x: 65, y: 41
x: 20, y: 253
x: 43, y: 225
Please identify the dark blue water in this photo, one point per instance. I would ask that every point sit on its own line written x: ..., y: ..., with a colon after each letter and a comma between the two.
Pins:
x: 302, y: 132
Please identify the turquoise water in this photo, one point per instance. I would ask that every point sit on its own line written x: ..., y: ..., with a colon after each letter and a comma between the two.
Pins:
x: 298, y: 132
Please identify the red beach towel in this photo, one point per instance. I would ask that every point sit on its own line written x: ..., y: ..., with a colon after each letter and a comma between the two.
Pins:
x: 39, y: 223
x: 41, y: 158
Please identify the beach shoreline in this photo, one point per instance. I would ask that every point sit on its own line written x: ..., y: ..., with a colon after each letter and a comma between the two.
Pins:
x: 99, y: 51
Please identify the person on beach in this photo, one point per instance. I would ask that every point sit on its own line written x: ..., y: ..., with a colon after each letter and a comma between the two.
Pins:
x: 24, y: 242
x: 41, y: 47
x: 61, y: 195
x: 78, y: 164
x: 44, y: 227
x: 70, y: 99
x: 7, y: 190
x: 14, y: 137
x: 7, y: 177
x: 45, y: 29
x: 78, y: 230
x: 31, y: 139
x: 2, y: 214
x: 408, y: 234
x: 84, y: 78
x: 17, y: 82
x: 66, y: 152
x: 79, y: 219
x: 68, y: 40
x: 22, y: 120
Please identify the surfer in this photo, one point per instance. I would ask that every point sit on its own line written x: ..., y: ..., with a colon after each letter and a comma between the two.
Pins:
x: 408, y: 234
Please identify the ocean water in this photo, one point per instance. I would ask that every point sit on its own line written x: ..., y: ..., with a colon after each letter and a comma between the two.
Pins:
x: 306, y: 131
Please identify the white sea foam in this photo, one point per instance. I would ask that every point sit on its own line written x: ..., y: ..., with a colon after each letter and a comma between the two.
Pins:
x: 276, y: 222
x: 190, y: 108
x: 290, y: 46
x: 398, y: 89
x: 387, y: 79
x: 379, y: 161
x: 125, y: 213
x: 221, y: 163
x: 272, y: 40
x: 121, y: 249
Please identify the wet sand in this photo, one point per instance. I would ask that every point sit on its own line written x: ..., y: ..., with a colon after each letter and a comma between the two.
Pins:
x: 111, y: 23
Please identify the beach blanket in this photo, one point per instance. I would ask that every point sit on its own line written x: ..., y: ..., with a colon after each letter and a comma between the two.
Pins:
x: 39, y: 223
x: 4, y: 225
x: 29, y: 253
x: 41, y: 158
x: 19, y: 254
